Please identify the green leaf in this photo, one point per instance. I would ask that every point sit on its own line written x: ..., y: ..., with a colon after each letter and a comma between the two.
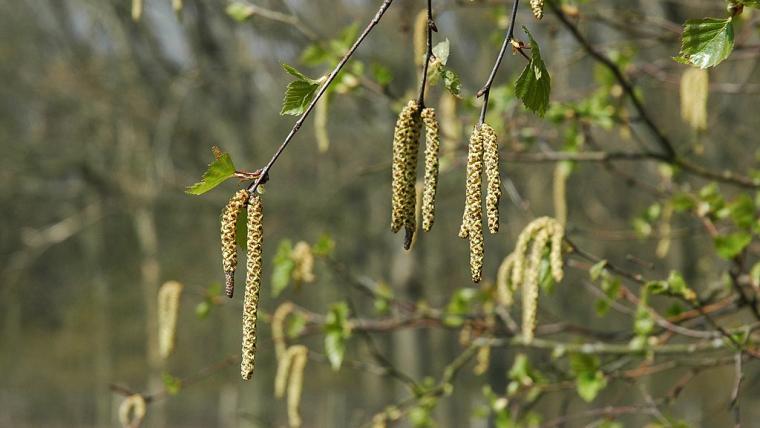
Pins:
x: 172, y: 384
x: 239, y: 11
x: 742, y: 211
x: 219, y: 170
x: 299, y: 93
x: 324, y: 247
x: 336, y: 333
x: 597, y: 270
x: 441, y: 51
x: 451, y: 82
x: 298, y: 75
x: 534, y: 84
x: 283, y: 267
x: 706, y: 42
x: 730, y: 246
x: 589, y: 379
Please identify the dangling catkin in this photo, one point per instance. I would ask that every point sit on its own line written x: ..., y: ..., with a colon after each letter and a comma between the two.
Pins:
x: 177, y: 5
x: 168, y: 307
x: 278, y: 328
x: 252, y: 285
x: 557, y: 233
x: 432, y: 147
x: 504, y: 286
x: 229, y: 244
x: 295, y: 385
x: 491, y: 161
x: 405, y: 147
x: 530, y: 285
x: 304, y: 263
x: 473, y: 190
x: 537, y: 6
x: 137, y: 9
x: 132, y: 411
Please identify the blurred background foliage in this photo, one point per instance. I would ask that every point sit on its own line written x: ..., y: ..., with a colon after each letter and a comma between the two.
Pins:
x: 104, y: 121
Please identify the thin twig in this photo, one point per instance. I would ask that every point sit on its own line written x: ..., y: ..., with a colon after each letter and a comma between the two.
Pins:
x: 333, y: 74
x: 428, y: 53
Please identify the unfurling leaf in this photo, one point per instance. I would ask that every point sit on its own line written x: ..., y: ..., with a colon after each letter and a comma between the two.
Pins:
x: 239, y: 11
x: 706, y: 42
x: 534, y: 84
x: 219, y: 170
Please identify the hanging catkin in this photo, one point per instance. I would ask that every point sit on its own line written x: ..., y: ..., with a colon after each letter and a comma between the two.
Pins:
x: 252, y: 285
x: 537, y: 6
x: 132, y: 411
x: 530, y: 285
x: 168, y: 308
x: 491, y: 161
x: 472, y: 221
x: 404, y: 169
x: 229, y: 244
x: 295, y: 385
x: 137, y: 9
x: 432, y: 147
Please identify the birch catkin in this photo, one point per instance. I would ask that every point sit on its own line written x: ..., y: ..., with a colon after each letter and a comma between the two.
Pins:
x: 404, y: 170
x: 295, y: 385
x: 252, y: 285
x: 229, y: 244
x: 472, y: 221
x: 168, y: 308
x: 432, y: 147
x: 530, y: 285
x: 132, y: 411
x: 491, y: 161
x: 537, y: 6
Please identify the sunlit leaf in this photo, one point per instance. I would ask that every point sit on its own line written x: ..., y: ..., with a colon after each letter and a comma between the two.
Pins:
x: 706, y: 42
x: 533, y: 86
x: 217, y: 172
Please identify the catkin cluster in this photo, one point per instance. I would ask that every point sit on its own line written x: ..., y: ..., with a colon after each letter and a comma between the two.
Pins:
x: 290, y: 368
x: 482, y: 158
x: 168, y: 308
x: 132, y: 411
x: 522, y: 268
x: 252, y: 285
x: 229, y: 244
x: 537, y: 6
x: 432, y: 147
x: 404, y: 170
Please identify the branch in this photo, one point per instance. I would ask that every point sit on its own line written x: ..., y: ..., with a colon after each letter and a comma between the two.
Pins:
x: 486, y: 89
x: 333, y: 74
x: 600, y: 348
x: 428, y: 53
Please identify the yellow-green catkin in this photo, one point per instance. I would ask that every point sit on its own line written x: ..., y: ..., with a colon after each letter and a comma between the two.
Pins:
x: 295, y: 385
x: 303, y: 272
x: 491, y: 162
x: 404, y: 170
x: 278, y: 328
x: 252, y: 285
x: 537, y: 6
x: 432, y: 147
x: 177, y: 5
x: 531, y: 286
x: 132, y: 411
x: 168, y: 308
x: 472, y: 221
x: 229, y: 244
x: 137, y: 9
x: 504, y: 286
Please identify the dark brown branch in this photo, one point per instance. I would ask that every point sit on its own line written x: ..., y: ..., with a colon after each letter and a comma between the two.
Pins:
x: 428, y: 53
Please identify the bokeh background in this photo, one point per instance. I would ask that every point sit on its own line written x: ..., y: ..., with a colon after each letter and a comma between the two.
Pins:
x: 104, y: 121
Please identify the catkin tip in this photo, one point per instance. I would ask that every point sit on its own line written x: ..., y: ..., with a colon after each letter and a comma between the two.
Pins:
x: 537, y: 6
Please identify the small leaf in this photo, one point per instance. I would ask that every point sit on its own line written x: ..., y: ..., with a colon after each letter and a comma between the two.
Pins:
x: 589, y: 380
x: 239, y: 11
x: 451, y: 82
x: 730, y: 246
x: 298, y: 75
x: 706, y: 42
x: 336, y: 333
x: 219, y: 170
x: 298, y: 95
x: 172, y: 384
x: 441, y: 51
x: 597, y: 270
x: 283, y: 267
x: 534, y: 84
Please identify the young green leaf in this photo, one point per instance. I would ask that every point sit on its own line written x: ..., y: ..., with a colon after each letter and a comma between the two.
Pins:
x: 337, y: 332
x: 239, y: 11
x: 730, y: 246
x: 283, y: 267
x: 706, y: 42
x: 299, y: 93
x: 219, y: 170
x: 534, y: 84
